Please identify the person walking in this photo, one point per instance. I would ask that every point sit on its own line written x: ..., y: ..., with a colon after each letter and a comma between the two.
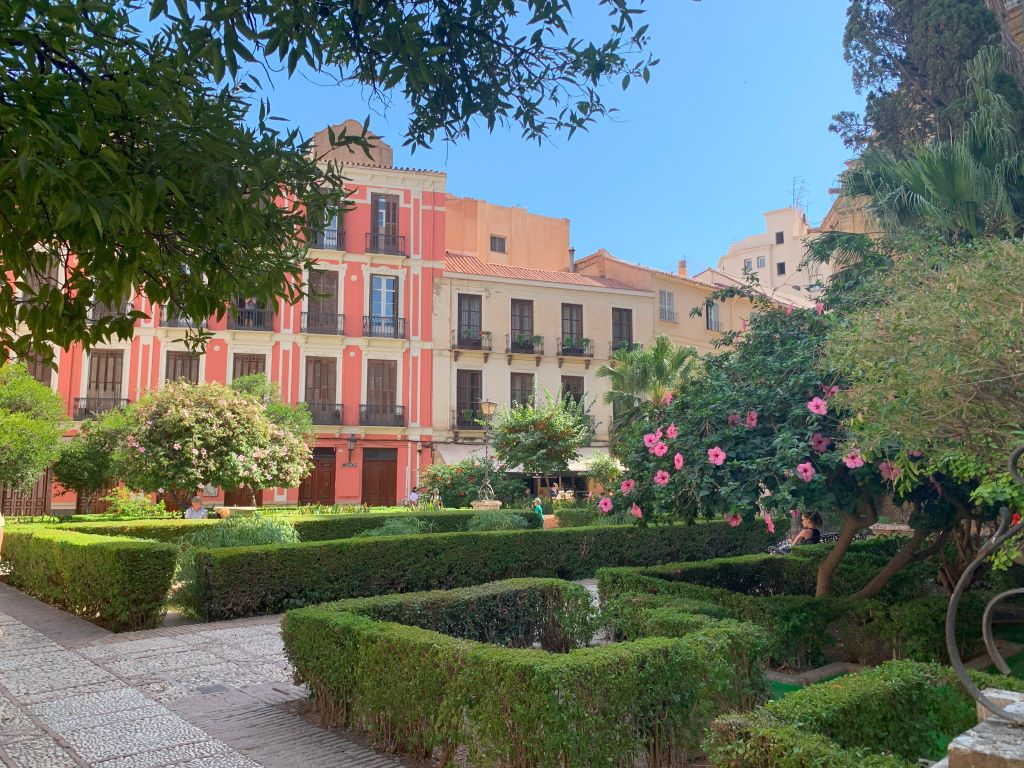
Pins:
x: 538, y: 507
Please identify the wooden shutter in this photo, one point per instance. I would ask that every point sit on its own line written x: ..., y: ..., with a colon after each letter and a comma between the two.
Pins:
x: 105, y: 373
x: 321, y: 379
x: 323, y: 292
x: 381, y: 382
x: 385, y: 214
x: 468, y: 391
x: 182, y: 366
x: 39, y: 370
x: 246, y: 365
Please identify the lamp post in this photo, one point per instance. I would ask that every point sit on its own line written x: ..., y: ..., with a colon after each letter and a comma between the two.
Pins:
x: 487, y: 409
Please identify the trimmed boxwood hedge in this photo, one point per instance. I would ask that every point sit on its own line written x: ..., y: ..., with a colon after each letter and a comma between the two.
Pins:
x: 775, y: 592
x: 244, y: 581
x: 884, y: 717
x: 412, y: 690
x: 118, y: 583
x: 309, y: 527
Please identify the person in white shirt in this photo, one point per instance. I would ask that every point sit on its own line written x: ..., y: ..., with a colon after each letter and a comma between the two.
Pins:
x: 195, y: 510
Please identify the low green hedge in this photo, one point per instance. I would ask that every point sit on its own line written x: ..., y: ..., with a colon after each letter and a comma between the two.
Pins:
x: 118, y: 583
x: 413, y: 690
x: 309, y: 527
x: 245, y: 581
x: 885, y: 717
x: 775, y: 592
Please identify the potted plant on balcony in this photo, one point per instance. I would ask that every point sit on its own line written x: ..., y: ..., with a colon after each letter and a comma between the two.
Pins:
x: 538, y: 342
x: 585, y: 344
x: 469, y: 417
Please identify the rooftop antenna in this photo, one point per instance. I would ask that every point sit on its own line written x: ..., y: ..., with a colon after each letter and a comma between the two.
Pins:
x: 798, y: 192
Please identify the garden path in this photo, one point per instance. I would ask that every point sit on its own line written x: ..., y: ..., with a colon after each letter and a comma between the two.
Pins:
x: 197, y: 696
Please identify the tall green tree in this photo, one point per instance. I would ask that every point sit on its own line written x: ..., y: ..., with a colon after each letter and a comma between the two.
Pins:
x: 640, y: 379
x: 541, y: 438
x: 296, y: 419
x: 32, y: 421
x: 87, y: 465
x: 139, y: 157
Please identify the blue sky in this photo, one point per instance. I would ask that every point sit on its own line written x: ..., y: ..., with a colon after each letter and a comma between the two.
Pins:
x: 737, y: 109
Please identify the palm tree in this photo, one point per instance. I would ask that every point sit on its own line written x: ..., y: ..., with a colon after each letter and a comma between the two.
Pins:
x: 641, y: 377
x: 967, y: 187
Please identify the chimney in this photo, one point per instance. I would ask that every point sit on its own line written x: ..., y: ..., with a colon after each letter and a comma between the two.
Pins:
x: 682, y: 267
x: 572, y: 259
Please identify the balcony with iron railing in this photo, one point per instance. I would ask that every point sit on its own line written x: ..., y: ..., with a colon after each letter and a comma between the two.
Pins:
x: 467, y: 419
x: 471, y: 338
x: 328, y: 239
x: 325, y: 413
x: 622, y: 344
x: 575, y: 346
x: 371, y: 415
x: 251, y: 319
x: 323, y: 322
x: 101, y: 311
x: 524, y: 343
x: 171, y: 319
x: 92, y: 406
x: 383, y: 326
x: 385, y: 242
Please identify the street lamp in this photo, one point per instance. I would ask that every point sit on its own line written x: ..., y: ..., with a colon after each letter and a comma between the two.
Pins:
x: 487, y: 409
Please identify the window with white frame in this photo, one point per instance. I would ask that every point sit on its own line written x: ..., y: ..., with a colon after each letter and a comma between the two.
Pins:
x: 761, y: 261
x: 667, y: 306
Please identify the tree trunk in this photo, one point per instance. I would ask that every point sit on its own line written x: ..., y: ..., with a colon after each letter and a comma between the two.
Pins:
x: 895, y: 565
x: 868, y: 514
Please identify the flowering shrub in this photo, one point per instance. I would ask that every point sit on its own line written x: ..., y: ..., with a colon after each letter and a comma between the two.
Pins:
x: 458, y: 484
x: 184, y: 437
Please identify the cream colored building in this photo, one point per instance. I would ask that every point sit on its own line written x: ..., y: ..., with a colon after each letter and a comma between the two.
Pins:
x: 504, y: 333
x: 674, y: 296
x: 775, y: 256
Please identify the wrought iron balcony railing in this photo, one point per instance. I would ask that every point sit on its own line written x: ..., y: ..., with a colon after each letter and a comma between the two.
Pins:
x: 325, y: 413
x: 524, y: 343
x: 91, y: 407
x: 384, y: 326
x: 101, y: 311
x: 471, y: 338
x: 467, y: 418
x: 618, y: 344
x: 574, y: 346
x: 329, y: 239
x: 382, y: 415
x: 251, y: 319
x: 171, y: 320
x: 323, y: 322
x: 384, y: 242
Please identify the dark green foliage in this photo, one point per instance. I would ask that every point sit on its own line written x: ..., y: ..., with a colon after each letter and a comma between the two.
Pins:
x: 457, y: 485
x: 579, y: 514
x: 412, y: 690
x: 118, y: 583
x: 254, y: 580
x: 32, y: 420
x: 396, y: 526
x: 882, y: 717
x: 86, y: 464
x: 309, y: 527
x: 497, y: 521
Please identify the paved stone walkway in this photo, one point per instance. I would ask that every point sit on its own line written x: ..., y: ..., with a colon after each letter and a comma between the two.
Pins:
x: 199, y: 696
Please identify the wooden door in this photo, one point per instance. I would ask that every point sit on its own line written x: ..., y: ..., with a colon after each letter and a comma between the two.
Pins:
x: 380, y: 477
x: 381, y: 382
x: 35, y: 502
x: 321, y: 379
x: 243, y: 496
x: 323, y: 298
x: 318, y: 486
x: 105, y: 374
x: 385, y: 215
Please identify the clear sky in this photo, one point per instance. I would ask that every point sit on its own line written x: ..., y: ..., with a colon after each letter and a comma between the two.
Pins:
x: 736, y: 111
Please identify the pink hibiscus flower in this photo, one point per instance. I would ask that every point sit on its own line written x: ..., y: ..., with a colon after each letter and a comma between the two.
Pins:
x: 733, y: 519
x: 672, y: 433
x: 820, y: 443
x: 605, y: 505
x: 751, y: 419
x: 661, y: 477
x: 177, y: 446
x: 659, y: 450
x: 666, y: 399
x: 817, y: 405
x: 769, y: 523
x: 819, y: 307
x: 888, y: 471
x: 650, y: 440
x: 853, y: 460
x: 789, y: 311
x: 627, y: 485
x: 794, y: 513
x: 635, y: 511
x: 806, y: 471
x: 1015, y: 518
x: 716, y: 456
x: 678, y: 461
x: 733, y: 420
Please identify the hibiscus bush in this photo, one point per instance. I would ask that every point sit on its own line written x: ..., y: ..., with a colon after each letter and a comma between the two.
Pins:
x: 183, y: 437
x: 458, y: 484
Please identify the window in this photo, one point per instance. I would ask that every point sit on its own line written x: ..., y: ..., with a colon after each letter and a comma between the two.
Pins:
x: 385, y: 214
x: 780, y: 268
x: 667, y: 306
x: 323, y: 293
x: 748, y: 264
x: 622, y: 328
x: 522, y: 317
x: 572, y: 386
x: 182, y: 366
x: 321, y: 379
x: 247, y: 365
x: 469, y: 317
x: 381, y: 382
x: 761, y: 261
x: 469, y: 387
x: 572, y: 321
x: 104, y: 375
x: 498, y: 244
x: 522, y: 388
x: 713, y: 315
x: 38, y: 370
x: 780, y: 238
x: 383, y: 296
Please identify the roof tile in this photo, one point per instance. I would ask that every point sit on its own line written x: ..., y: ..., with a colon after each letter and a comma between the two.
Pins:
x: 470, y: 265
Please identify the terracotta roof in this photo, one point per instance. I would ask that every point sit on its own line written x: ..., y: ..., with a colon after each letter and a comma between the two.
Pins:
x: 602, y: 253
x: 470, y: 265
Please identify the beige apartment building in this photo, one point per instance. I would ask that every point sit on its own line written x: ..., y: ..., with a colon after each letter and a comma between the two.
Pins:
x: 509, y: 334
